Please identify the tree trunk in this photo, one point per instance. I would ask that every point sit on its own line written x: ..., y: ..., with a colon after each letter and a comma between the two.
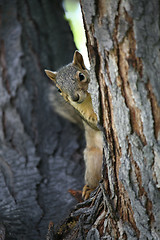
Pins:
x: 38, y: 154
x: 123, y: 40
x: 123, y: 43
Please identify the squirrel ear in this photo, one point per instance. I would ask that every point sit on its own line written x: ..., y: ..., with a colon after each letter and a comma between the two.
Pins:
x: 78, y: 60
x: 51, y: 75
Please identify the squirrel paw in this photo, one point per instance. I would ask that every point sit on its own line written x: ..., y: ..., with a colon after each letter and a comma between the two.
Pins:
x: 86, y: 192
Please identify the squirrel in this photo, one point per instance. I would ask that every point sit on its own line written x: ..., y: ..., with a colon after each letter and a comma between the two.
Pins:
x: 72, y: 83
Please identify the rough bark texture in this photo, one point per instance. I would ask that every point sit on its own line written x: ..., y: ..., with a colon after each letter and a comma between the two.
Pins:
x: 123, y: 40
x: 39, y: 151
x: 37, y: 148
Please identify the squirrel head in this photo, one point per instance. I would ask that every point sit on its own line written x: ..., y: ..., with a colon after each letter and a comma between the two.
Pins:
x: 72, y: 80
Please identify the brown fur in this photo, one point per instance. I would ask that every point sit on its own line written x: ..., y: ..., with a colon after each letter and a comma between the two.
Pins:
x: 72, y: 81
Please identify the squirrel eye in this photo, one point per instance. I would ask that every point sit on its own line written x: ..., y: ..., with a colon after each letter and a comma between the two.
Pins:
x: 81, y: 77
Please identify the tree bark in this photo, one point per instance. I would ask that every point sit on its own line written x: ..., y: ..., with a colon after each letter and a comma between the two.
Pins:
x: 39, y: 151
x: 123, y: 43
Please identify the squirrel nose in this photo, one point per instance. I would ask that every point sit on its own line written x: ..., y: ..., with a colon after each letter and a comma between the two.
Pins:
x: 79, y: 96
x: 76, y: 97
